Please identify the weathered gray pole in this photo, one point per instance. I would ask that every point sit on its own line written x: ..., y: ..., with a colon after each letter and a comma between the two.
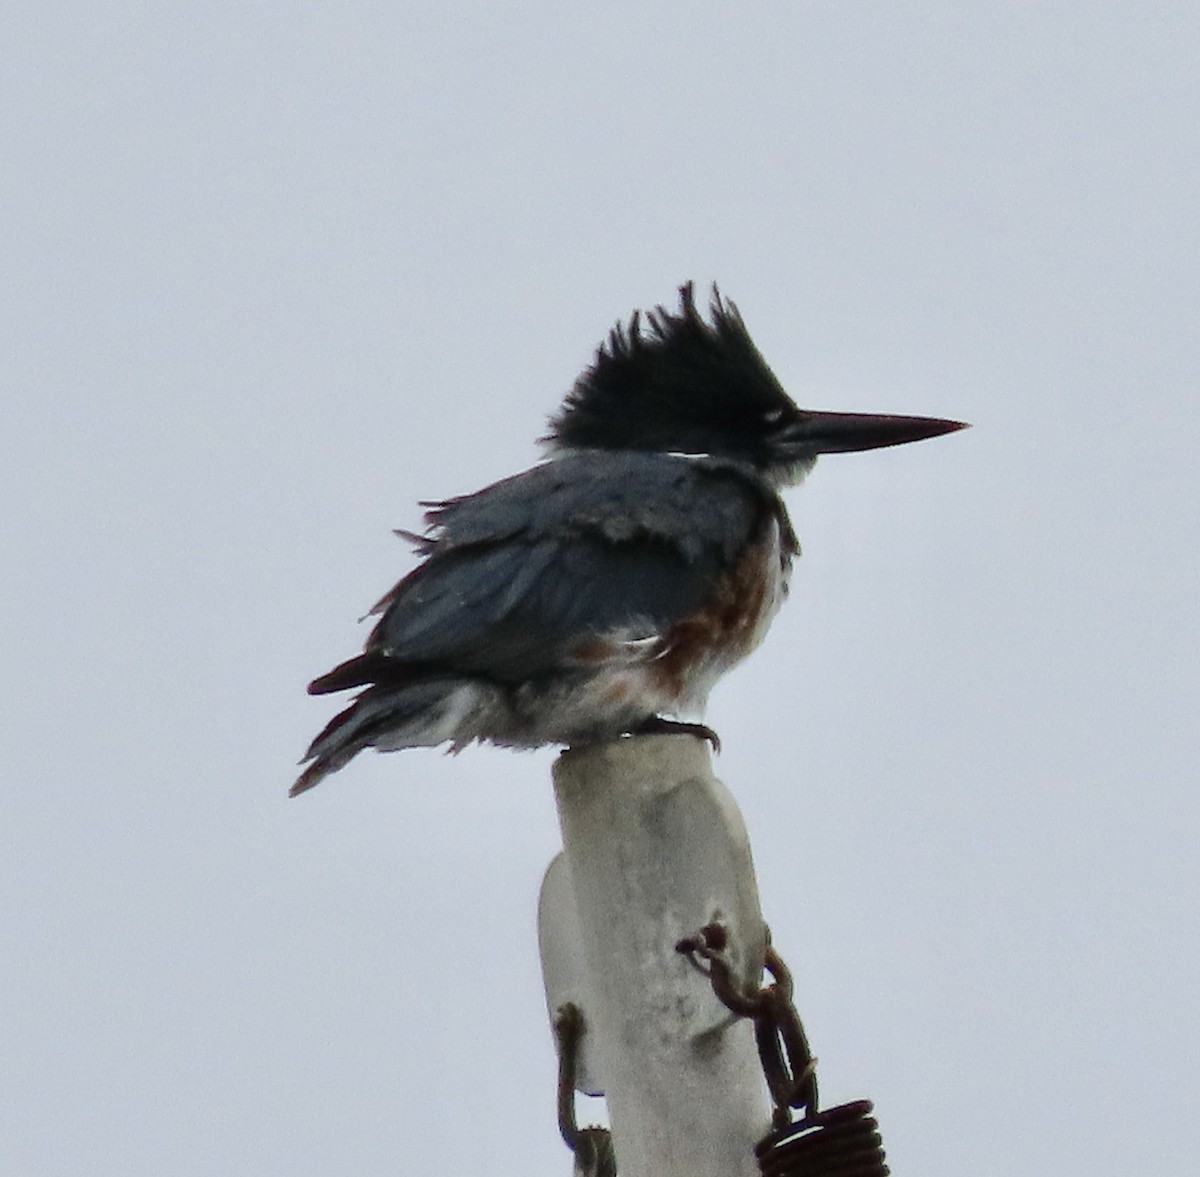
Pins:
x: 654, y: 849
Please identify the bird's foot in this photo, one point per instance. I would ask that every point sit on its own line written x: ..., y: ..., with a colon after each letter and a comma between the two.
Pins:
x: 656, y: 725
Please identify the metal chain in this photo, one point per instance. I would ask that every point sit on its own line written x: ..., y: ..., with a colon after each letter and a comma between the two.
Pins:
x: 787, y: 1059
x: 838, y: 1142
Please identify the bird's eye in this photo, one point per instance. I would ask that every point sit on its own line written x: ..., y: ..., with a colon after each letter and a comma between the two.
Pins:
x: 773, y: 416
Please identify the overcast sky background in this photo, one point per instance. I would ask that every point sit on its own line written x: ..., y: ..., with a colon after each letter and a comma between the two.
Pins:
x: 274, y: 272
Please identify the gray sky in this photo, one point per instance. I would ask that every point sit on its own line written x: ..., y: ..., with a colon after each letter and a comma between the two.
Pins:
x: 274, y: 272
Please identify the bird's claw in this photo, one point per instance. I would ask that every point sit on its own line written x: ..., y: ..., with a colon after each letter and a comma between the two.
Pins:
x: 656, y: 725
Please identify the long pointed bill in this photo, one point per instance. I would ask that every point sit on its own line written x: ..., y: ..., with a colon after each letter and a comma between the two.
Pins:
x: 844, y: 433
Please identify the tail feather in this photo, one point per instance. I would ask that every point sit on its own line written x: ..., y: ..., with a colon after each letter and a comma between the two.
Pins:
x: 419, y: 715
x: 343, y: 677
x: 370, y: 669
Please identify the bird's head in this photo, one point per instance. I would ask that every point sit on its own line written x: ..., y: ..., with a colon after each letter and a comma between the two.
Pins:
x: 681, y: 384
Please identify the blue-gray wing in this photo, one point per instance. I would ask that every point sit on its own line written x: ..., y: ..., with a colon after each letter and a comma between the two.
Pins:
x: 520, y: 577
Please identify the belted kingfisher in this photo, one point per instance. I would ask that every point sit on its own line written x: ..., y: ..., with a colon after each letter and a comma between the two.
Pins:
x: 609, y: 586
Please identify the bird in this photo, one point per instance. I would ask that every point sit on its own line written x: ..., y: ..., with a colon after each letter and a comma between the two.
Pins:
x: 602, y: 592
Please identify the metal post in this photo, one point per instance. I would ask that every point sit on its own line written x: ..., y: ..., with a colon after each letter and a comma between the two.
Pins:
x: 655, y: 848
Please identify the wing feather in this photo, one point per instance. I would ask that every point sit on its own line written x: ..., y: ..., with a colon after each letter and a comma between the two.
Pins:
x: 522, y: 576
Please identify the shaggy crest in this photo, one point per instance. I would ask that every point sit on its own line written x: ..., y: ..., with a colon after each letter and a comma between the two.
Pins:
x: 676, y: 383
